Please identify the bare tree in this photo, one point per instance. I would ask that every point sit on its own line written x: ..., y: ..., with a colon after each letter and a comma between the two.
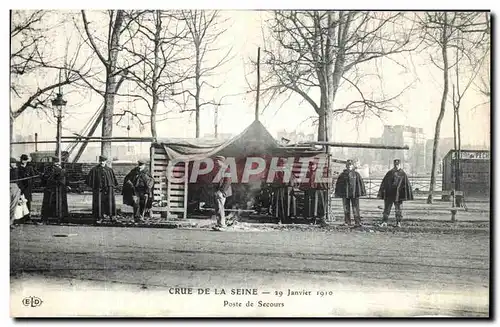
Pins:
x: 158, y: 44
x: 205, y: 29
x: 311, y: 53
x: 470, y: 56
x: 448, y: 31
x: 118, y: 36
x: 35, y: 72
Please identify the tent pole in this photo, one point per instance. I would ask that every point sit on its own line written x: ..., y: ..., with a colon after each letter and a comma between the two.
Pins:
x: 258, y: 86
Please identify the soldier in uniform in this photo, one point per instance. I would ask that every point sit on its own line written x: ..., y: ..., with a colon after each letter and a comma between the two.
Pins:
x: 103, y: 182
x: 138, y: 190
x: 394, y: 189
x: 350, y: 187
x: 26, y: 175
x: 55, y: 196
x: 223, y: 190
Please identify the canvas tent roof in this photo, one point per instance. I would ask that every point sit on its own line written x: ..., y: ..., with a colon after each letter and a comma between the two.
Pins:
x: 254, y: 139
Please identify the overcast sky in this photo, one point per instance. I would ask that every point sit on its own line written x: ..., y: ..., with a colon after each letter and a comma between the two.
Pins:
x: 419, y: 105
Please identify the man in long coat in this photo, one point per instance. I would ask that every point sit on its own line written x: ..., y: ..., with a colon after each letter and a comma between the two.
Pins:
x: 394, y: 189
x: 55, y: 196
x: 350, y: 187
x: 138, y: 190
x: 101, y: 179
x: 26, y: 174
x: 223, y: 190
x: 315, y: 195
x: 279, y: 195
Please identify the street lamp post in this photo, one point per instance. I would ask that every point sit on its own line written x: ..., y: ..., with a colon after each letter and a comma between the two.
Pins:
x: 58, y: 103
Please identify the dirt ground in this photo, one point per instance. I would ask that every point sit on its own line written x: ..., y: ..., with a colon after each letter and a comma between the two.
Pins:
x: 120, y: 271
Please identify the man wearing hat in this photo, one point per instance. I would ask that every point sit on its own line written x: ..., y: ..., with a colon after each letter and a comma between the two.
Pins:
x: 137, y: 190
x: 55, y: 196
x: 222, y: 190
x: 26, y: 174
x: 13, y: 170
x: 350, y: 187
x: 394, y: 189
x: 101, y: 179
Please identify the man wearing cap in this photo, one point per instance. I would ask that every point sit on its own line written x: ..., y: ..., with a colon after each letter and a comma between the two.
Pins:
x: 394, y: 189
x: 222, y: 190
x: 26, y: 174
x: 55, y: 196
x: 350, y: 187
x: 101, y: 179
x: 138, y: 190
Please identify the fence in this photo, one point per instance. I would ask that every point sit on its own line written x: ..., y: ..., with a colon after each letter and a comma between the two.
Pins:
x: 77, y: 172
x: 420, y: 185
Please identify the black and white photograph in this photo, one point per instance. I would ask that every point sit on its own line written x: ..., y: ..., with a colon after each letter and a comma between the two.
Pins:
x: 288, y: 163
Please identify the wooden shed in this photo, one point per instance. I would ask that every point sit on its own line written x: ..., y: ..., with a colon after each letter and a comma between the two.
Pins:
x: 171, y: 196
x: 475, y: 177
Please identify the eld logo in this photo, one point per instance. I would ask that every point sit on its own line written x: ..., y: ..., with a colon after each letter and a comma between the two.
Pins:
x: 32, y: 301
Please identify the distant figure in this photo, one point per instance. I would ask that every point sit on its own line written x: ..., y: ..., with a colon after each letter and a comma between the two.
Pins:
x: 292, y: 191
x: 15, y: 191
x: 55, y: 197
x: 350, y: 187
x: 223, y: 191
x: 394, y: 189
x: 103, y: 182
x: 13, y: 170
x: 138, y: 190
x: 26, y: 174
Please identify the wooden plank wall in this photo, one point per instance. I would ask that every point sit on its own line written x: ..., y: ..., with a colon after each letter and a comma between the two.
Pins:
x: 171, y: 198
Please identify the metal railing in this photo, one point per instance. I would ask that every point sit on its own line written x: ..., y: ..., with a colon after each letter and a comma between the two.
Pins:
x: 419, y: 184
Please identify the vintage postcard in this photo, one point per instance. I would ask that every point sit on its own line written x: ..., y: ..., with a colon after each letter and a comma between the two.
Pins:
x: 250, y: 163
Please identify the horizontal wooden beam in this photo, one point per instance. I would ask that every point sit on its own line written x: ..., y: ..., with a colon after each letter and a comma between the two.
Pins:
x: 356, y: 145
x: 82, y: 140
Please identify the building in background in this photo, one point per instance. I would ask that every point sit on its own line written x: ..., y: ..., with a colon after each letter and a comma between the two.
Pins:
x: 19, y: 149
x: 378, y: 160
x: 446, y: 144
x: 295, y: 137
x: 413, y: 160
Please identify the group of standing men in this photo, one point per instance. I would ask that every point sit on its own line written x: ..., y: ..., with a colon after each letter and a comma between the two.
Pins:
x: 137, y: 189
x: 394, y: 189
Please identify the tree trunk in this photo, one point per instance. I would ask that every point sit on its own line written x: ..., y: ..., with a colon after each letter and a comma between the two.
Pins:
x: 459, y: 172
x: 111, y: 85
x: 11, y: 134
x: 197, y: 117
x: 321, y: 127
x: 156, y: 73
x: 444, y: 49
x: 107, y: 119
x: 324, y: 126
x: 198, y: 89
x: 154, y: 109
